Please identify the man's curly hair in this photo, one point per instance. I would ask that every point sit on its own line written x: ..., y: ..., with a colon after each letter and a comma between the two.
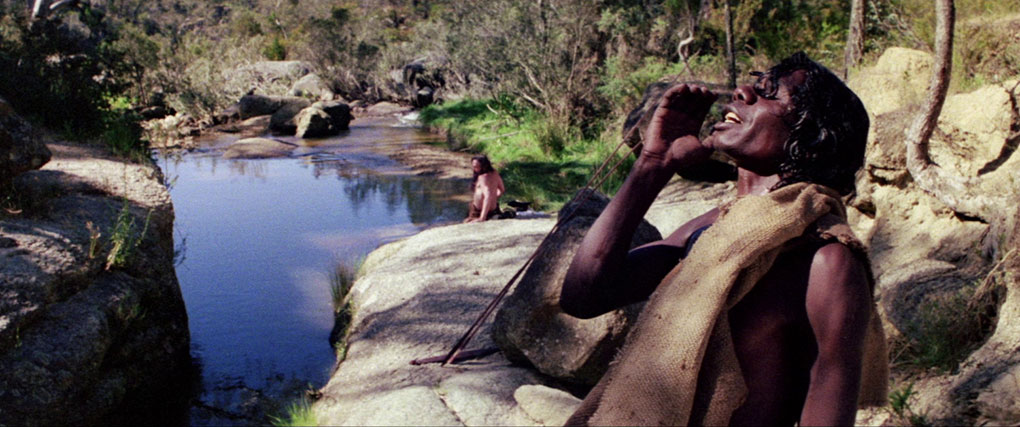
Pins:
x: 828, y: 127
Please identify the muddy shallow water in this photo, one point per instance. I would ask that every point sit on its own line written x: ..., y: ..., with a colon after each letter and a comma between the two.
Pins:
x: 259, y: 240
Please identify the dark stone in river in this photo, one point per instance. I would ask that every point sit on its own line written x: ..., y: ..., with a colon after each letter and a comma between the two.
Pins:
x: 260, y: 105
x: 21, y: 147
x: 258, y: 148
x: 531, y: 328
x: 282, y: 121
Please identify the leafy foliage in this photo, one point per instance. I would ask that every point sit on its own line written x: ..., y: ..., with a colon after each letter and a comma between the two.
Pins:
x: 538, y: 158
x: 65, y: 72
x: 947, y: 328
x: 580, y: 65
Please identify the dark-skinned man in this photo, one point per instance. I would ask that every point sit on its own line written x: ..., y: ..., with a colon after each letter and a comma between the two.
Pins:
x: 760, y: 311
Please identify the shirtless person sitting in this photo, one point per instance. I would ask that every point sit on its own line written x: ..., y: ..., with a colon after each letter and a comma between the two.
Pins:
x: 486, y: 189
x: 799, y: 332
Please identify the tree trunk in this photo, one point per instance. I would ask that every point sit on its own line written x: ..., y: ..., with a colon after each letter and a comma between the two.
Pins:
x: 959, y: 193
x: 37, y: 8
x: 855, y: 37
x: 730, y: 56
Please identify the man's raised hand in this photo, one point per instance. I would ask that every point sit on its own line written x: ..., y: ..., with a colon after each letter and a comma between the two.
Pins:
x: 672, y: 136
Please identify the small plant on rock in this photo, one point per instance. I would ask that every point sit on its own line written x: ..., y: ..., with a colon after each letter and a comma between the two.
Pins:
x: 124, y: 238
x: 341, y: 282
x: 902, y: 412
x: 299, y: 413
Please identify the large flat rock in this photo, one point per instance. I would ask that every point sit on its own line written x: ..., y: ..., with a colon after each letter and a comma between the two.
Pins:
x: 80, y: 337
x: 415, y: 299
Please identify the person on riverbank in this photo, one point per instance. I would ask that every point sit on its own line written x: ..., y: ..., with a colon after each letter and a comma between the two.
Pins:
x: 486, y: 189
x: 759, y: 311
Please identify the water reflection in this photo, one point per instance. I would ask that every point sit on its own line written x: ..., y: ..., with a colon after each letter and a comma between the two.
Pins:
x: 262, y: 237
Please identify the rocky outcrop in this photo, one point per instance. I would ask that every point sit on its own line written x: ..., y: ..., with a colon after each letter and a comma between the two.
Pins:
x: 283, y: 120
x: 313, y: 87
x: 258, y: 148
x: 923, y: 253
x: 323, y: 119
x: 92, y: 323
x: 416, y: 297
x: 297, y: 116
x: 531, y: 328
x: 386, y: 109
x: 339, y: 113
x: 312, y: 122
x: 417, y: 83
x: 259, y: 105
x: 21, y: 148
x: 274, y: 78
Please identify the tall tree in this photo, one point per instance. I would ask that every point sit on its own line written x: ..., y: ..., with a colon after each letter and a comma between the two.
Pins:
x: 855, y: 37
x: 959, y: 193
x: 731, y: 59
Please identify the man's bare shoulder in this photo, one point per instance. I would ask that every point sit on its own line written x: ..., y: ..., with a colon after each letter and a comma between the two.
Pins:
x: 837, y: 284
x: 836, y: 260
x: 489, y: 179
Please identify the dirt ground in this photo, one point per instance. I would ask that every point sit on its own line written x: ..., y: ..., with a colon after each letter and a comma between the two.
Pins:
x: 433, y: 160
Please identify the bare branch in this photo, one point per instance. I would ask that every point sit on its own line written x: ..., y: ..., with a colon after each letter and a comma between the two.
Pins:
x: 534, y: 83
x: 957, y: 192
x: 37, y: 7
x: 855, y: 37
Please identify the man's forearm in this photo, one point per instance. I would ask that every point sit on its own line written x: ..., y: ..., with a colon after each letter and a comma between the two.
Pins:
x: 487, y: 202
x: 602, y: 255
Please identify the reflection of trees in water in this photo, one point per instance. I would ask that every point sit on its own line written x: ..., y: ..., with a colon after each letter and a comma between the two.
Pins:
x: 431, y: 200
x: 254, y: 169
x: 427, y: 200
x: 258, y: 169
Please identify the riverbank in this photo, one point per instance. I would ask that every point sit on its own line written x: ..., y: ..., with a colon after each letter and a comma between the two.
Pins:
x: 93, y: 327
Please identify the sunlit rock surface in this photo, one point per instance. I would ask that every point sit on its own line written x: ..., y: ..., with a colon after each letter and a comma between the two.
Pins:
x: 84, y: 339
x: 416, y: 298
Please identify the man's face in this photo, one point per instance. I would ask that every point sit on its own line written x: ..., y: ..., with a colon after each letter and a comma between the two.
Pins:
x: 753, y: 130
x: 476, y: 166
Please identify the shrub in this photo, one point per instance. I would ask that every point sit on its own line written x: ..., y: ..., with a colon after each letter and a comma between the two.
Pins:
x: 946, y: 329
x: 275, y: 51
x: 60, y: 71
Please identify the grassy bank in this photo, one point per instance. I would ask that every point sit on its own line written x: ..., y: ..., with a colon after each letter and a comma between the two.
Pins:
x: 542, y: 160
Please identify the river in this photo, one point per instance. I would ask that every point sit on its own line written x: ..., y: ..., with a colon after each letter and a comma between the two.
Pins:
x: 259, y: 241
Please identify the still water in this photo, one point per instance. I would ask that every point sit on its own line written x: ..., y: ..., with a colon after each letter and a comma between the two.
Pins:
x: 260, y: 239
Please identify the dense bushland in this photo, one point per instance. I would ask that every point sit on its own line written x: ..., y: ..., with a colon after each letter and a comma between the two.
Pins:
x: 575, y: 67
x: 70, y: 75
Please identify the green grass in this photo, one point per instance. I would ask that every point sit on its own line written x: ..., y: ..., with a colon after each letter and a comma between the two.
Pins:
x: 902, y: 411
x: 298, y: 413
x: 541, y: 160
x: 945, y: 330
x: 124, y: 237
x: 341, y: 281
x: 121, y: 131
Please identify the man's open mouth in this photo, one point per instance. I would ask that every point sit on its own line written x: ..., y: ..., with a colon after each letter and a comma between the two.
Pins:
x: 732, y: 117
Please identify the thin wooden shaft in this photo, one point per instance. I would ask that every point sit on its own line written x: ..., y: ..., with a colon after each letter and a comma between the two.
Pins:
x: 583, y: 197
x: 580, y: 199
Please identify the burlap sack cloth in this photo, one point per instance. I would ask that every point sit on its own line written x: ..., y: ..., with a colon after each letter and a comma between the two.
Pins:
x: 653, y: 380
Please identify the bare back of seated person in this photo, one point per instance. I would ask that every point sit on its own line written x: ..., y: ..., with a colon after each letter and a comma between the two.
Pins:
x: 798, y: 334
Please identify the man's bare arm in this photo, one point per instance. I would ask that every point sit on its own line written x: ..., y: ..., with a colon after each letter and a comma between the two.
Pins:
x: 592, y: 285
x: 500, y: 189
x: 490, y: 194
x: 838, y: 301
